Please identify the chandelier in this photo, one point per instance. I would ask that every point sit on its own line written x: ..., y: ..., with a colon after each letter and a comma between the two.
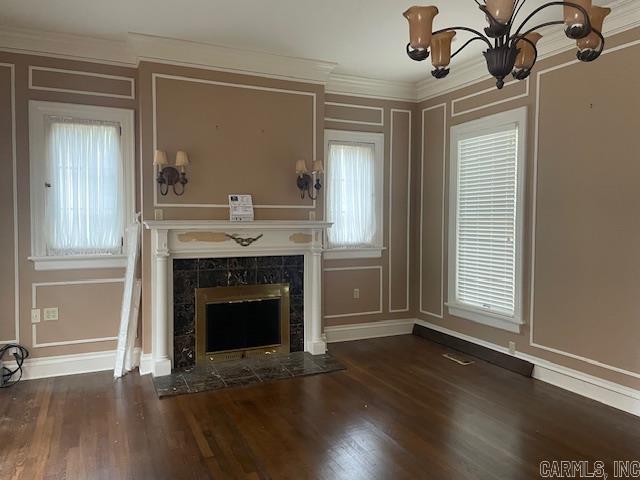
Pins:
x: 508, y: 53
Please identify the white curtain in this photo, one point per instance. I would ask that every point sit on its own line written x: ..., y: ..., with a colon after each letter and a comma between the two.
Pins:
x: 84, y: 192
x: 351, y: 195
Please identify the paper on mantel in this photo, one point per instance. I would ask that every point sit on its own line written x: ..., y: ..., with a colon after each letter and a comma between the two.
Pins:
x: 240, y: 208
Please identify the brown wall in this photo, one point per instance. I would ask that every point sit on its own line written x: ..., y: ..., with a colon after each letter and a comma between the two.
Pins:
x: 383, y: 282
x: 87, y: 299
x: 243, y: 134
x: 580, y: 254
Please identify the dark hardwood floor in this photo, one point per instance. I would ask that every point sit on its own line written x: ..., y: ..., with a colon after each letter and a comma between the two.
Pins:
x: 400, y: 410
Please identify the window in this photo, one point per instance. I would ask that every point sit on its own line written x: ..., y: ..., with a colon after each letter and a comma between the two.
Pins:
x: 81, y: 184
x: 485, y: 238
x: 354, y: 162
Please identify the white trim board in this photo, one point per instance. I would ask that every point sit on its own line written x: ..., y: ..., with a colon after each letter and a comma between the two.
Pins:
x: 444, y: 178
x: 534, y: 223
x: 34, y: 303
x: 603, y: 391
x: 361, y: 331
x: 14, y: 172
x: 155, y: 76
x: 131, y: 81
x: 355, y: 122
x: 455, y: 113
x: 408, y: 282
x: 60, y: 365
x: 381, y: 295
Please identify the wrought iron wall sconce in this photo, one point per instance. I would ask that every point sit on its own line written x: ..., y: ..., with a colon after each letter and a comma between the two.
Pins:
x: 305, y: 181
x: 171, y: 176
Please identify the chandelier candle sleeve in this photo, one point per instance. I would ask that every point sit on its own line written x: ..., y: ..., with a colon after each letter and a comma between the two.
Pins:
x: 441, y: 48
x: 420, y: 25
x: 596, y: 17
x: 527, y: 54
x: 574, y: 18
x: 500, y: 10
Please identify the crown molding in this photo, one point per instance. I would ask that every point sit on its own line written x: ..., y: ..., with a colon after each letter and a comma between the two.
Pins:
x: 140, y: 47
x: 64, y: 45
x: 206, y: 55
x: 370, y: 88
x: 625, y: 15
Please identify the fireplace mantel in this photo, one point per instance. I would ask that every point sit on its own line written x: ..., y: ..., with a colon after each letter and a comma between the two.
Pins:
x: 219, y: 239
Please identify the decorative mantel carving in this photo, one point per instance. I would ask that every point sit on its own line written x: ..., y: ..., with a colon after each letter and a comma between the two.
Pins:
x: 200, y: 239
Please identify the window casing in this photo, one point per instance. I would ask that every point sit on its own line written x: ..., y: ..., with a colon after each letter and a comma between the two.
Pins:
x: 353, y: 196
x: 486, y: 219
x: 82, y: 191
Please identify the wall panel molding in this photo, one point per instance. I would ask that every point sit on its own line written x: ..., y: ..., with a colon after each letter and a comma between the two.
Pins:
x: 94, y: 93
x: 380, y: 295
x: 442, y: 220
x: 380, y: 110
x: 532, y: 342
x: 457, y: 113
x: 34, y: 304
x: 155, y: 76
x: 390, y: 227
x: 14, y: 173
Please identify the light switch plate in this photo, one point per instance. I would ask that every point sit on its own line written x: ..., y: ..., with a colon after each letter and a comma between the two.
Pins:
x: 50, y: 314
x: 158, y: 214
x: 356, y: 293
x: 35, y: 315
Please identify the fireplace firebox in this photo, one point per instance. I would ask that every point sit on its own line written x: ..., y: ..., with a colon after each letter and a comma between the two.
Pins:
x: 241, y: 321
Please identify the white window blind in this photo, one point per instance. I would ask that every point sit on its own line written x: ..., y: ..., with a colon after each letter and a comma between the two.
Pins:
x: 84, y: 211
x: 486, y: 220
x: 351, y: 194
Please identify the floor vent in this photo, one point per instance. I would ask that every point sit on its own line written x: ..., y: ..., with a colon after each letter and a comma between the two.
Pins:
x: 458, y: 358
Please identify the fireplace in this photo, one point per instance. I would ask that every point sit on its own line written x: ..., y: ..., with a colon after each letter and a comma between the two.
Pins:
x: 191, y: 254
x: 241, y: 321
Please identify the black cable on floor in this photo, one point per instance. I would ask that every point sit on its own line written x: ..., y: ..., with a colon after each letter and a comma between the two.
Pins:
x: 20, y: 354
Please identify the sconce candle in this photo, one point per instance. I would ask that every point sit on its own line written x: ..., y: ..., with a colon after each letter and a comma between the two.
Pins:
x: 169, y: 176
x: 305, y: 181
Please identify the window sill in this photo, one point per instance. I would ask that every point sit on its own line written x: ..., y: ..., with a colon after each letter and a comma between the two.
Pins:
x: 342, y: 253
x: 79, y: 262
x: 485, y: 318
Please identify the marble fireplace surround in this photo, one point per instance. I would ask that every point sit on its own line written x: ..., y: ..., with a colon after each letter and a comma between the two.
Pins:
x: 199, y: 239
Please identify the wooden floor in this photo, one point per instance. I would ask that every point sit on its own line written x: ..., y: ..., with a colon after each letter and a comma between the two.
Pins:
x: 400, y: 410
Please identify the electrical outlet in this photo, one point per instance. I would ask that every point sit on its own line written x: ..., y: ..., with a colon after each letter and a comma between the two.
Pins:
x: 158, y: 214
x: 312, y: 215
x: 50, y: 314
x: 35, y: 315
x: 356, y: 293
x: 512, y: 348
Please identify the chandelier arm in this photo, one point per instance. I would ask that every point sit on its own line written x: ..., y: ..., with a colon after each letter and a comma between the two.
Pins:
x: 517, y: 7
x: 463, y: 46
x: 553, y: 4
x: 466, y: 29
x: 520, y: 36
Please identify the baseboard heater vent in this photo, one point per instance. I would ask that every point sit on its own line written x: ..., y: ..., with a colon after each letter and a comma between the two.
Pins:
x: 500, y: 359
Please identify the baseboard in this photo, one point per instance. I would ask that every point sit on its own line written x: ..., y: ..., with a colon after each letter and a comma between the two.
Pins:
x: 59, y: 365
x: 146, y: 364
x: 488, y: 354
x: 361, y: 331
x: 603, y: 391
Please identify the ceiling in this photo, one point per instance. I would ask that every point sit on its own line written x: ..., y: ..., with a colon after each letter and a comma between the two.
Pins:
x: 366, y: 38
